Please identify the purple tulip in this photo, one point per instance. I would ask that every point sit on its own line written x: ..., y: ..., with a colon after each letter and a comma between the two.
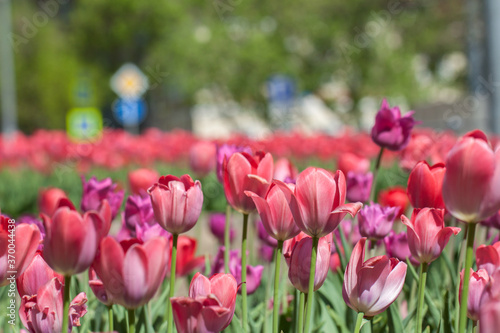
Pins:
x: 266, y: 252
x: 392, y: 131
x: 254, y: 273
x: 95, y: 191
x: 217, y: 224
x: 264, y: 236
x: 138, y: 211
x: 359, y: 186
x: 396, y: 245
x: 225, y: 151
x: 375, y: 221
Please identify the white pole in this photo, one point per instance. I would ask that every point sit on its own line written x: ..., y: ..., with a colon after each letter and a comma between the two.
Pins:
x: 493, y: 49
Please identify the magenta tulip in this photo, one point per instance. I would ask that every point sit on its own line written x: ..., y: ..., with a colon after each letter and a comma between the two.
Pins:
x: 375, y: 221
x: 209, y: 307
x: 177, y: 202
x: 477, y: 283
x: 217, y: 223
x: 425, y: 185
x: 358, y: 186
x: 371, y: 286
x: 396, y: 245
x: 96, y: 191
x: 427, y: 235
x: 318, y: 201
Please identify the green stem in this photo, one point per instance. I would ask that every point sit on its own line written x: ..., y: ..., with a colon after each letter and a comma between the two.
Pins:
x: 310, y: 290
x: 359, y: 320
x: 471, y: 232
x: 227, y: 240
x: 244, y: 272
x: 131, y: 321
x: 474, y: 326
x: 300, y: 324
x: 110, y: 318
x: 67, y: 285
x: 276, y: 301
x: 173, y: 259
x: 375, y: 172
x: 421, y: 293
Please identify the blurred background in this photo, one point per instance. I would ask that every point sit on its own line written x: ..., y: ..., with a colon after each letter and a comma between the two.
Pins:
x: 221, y: 66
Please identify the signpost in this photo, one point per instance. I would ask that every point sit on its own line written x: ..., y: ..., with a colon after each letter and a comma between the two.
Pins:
x: 281, y: 94
x: 84, y: 124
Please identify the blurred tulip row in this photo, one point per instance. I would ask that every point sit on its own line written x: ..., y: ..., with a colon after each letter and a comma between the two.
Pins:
x: 362, y: 252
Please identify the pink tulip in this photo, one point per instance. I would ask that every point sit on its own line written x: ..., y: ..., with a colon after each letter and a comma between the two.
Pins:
x: 300, y: 264
x: 224, y: 152
x: 202, y: 157
x: 245, y: 172
x: 371, y: 286
x: 132, y: 272
x: 358, y: 186
x: 71, y: 240
x: 425, y: 185
x: 141, y: 179
x: 275, y: 213
x: 470, y: 186
x: 427, y: 235
x: 477, y: 283
x: 488, y: 257
x: 284, y: 170
x: 48, y: 199
x: 350, y: 162
x: 318, y: 201
x: 489, y: 311
x: 37, y: 274
x: 209, y: 307
x: 98, y: 288
x: 177, y: 202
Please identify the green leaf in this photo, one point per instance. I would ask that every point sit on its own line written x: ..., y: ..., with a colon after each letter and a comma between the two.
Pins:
x: 394, y: 319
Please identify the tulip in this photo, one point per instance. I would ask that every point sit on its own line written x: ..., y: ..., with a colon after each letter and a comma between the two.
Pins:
x: 98, y: 288
x: 284, y: 169
x: 43, y: 312
x: 48, y: 199
x: 492, y: 221
x: 141, y: 179
x: 371, y: 286
x: 396, y: 245
x: 202, y: 157
x: 425, y: 184
x: 359, y: 186
x: 478, y: 282
x: 394, y: 197
x: 36, y: 275
x: 217, y: 223
x: 348, y: 162
x: 187, y: 261
x: 30, y: 219
x: 488, y: 257
x: 375, y: 221
x: 392, y: 131
x: 209, y: 307
x: 224, y: 152
x: 264, y: 236
x: 489, y: 310
x: 95, y: 192
x: 138, y: 212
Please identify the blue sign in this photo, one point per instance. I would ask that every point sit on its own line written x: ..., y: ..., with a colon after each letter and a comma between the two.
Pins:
x: 130, y: 112
x: 281, y: 89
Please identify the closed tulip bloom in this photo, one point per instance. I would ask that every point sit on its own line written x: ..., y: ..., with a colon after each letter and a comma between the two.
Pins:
x: 425, y: 185
x: 224, y: 152
x: 138, y: 211
x: 477, y: 283
x: 275, y: 213
x: 392, y: 131
x: 177, y: 202
x: 217, y: 223
x: 489, y: 311
x: 96, y: 191
x: 98, y: 288
x: 71, y: 240
x: 37, y: 274
x: 245, y: 172
x: 48, y: 200
x: 396, y: 245
x: 488, y: 257
x: 300, y: 264
x: 132, y: 272
x: 371, y: 286
x: 470, y: 186
x: 209, y: 307
x: 141, y: 179
x: 394, y: 197
x: 318, y: 201
x: 202, y: 157
x: 358, y: 186
x: 375, y: 221
x: 427, y: 235
x: 186, y: 261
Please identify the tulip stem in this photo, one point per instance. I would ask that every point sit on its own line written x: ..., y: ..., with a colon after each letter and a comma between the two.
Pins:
x: 471, y: 232
x: 375, y: 172
x: 359, y: 320
x: 421, y: 293
x: 310, y: 290
x: 276, y: 300
x: 244, y: 272
x: 67, y: 285
x: 131, y: 320
x: 300, y: 322
x: 110, y: 318
x: 173, y: 259
x: 227, y: 245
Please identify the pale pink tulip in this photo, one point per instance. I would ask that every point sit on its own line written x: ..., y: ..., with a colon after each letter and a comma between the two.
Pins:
x: 477, y: 283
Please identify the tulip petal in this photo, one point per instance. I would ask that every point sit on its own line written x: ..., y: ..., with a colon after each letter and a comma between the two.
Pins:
x: 135, y: 274
x: 392, y: 288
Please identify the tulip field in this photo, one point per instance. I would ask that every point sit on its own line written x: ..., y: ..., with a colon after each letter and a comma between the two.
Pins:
x: 396, y: 230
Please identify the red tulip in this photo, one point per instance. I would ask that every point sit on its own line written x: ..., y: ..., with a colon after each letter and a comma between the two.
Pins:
x: 371, y: 286
x: 71, y: 240
x: 209, y: 307
x: 132, y: 272
x: 186, y: 260
x: 427, y: 235
x: 275, y: 213
x: 477, y: 283
x: 425, y: 184
x: 394, y: 197
x: 48, y: 200
x: 470, y: 186
x: 202, y: 157
x: 351, y: 162
x: 488, y: 257
x: 300, y: 263
x: 245, y: 172
x: 37, y: 274
x: 318, y: 201
x: 177, y: 202
x: 141, y: 179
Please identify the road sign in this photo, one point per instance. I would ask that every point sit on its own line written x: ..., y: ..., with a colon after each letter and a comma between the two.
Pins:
x: 281, y: 89
x: 129, y: 82
x: 130, y: 112
x: 84, y: 123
